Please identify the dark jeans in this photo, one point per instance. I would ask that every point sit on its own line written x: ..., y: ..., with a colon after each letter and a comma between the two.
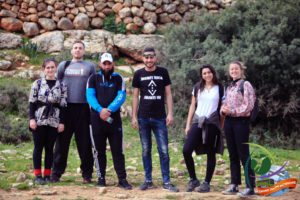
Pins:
x: 146, y: 125
x: 43, y: 137
x: 77, y: 121
x: 114, y: 133
x: 193, y: 140
x: 237, y: 134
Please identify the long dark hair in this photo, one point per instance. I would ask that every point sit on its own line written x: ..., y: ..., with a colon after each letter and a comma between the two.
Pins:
x: 215, y: 79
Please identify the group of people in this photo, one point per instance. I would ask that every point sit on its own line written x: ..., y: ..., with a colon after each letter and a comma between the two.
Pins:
x: 73, y: 99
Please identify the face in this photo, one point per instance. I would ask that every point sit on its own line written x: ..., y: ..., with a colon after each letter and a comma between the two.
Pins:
x: 78, y: 51
x: 207, y: 75
x: 149, y: 59
x: 50, y: 69
x: 235, y: 71
x: 107, y: 66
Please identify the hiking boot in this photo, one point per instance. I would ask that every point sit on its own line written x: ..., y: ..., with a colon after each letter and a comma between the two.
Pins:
x: 39, y: 180
x: 101, y: 182
x: 232, y: 190
x: 246, y: 193
x: 146, y: 185
x: 170, y: 187
x: 193, y: 183
x: 205, y: 187
x: 87, y: 180
x: 47, y: 179
x: 124, y: 184
x: 54, y: 179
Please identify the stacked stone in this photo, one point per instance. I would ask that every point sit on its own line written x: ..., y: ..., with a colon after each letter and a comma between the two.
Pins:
x: 38, y: 16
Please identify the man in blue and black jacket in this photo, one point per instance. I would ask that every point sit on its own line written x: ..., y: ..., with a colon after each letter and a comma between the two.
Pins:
x: 106, y: 93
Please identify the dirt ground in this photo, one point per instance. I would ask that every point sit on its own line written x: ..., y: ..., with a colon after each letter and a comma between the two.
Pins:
x: 113, y: 192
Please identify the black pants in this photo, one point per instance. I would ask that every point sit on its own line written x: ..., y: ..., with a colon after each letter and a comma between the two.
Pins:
x: 193, y: 140
x: 77, y: 121
x: 43, y: 137
x: 237, y: 134
x: 114, y: 133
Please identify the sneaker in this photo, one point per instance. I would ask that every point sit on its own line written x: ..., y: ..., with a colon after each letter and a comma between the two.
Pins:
x: 87, y: 180
x: 39, y: 180
x: 205, y: 187
x: 192, y: 185
x: 124, y: 184
x: 170, y: 187
x: 47, y: 179
x: 233, y: 189
x: 55, y: 178
x: 101, y: 182
x: 146, y: 185
x: 246, y: 193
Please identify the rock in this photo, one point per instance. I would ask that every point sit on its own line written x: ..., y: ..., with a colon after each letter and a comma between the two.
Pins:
x: 45, y: 13
x: 99, y: 5
x: 15, y: 185
x: 212, y: 6
x: 29, y: 74
x: 11, y: 24
x: 125, y: 12
x: 175, y: 17
x: 219, y: 171
x: 81, y: 21
x: 60, y: 13
x: 182, y: 8
x: 149, y: 28
x: 122, y: 196
x: 127, y: 3
x: 15, y: 8
x: 102, y: 190
x: 91, y: 14
x: 29, y: 182
x: 137, y: 11
x: 21, y: 177
x: 138, y: 21
x: 182, y: 161
x: 7, y: 13
x: 164, y: 18
x: 32, y: 10
x: 50, y: 42
x: 48, y: 192
x: 226, y: 182
x: 127, y: 20
x: 50, y: 2
x: 107, y: 11
x: 110, y: 168
x: 131, y: 168
x: 31, y: 28
x: 33, y: 17
x: 136, y: 3
x: 177, y: 172
x: 199, y: 2
x: 47, y: 24
x: 65, y: 24
x: 97, y: 22
x: 220, y: 161
x: 149, y: 6
x: 150, y: 17
x: 4, y: 64
x: 117, y: 7
x: 90, y: 8
x: 9, y: 151
x: 9, y: 40
x: 133, y: 45
x: 41, y: 6
x: 169, y: 8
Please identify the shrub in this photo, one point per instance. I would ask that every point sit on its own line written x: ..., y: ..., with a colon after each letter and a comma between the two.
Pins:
x: 29, y: 48
x: 265, y: 34
x: 110, y: 25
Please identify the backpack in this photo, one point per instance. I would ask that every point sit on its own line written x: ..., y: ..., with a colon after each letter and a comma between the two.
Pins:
x: 255, y: 110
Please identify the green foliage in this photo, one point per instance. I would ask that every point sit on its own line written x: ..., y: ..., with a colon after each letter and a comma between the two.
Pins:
x: 29, y: 48
x: 265, y: 35
x: 63, y: 55
x: 110, y: 25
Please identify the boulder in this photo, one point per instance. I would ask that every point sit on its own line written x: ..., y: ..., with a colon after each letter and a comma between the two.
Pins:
x: 169, y: 8
x: 11, y: 24
x: 132, y: 27
x: 136, y: 3
x: 60, y: 13
x: 117, y: 7
x: 49, y: 42
x: 133, y: 45
x: 127, y: 20
x: 125, y: 12
x: 127, y: 3
x: 90, y: 8
x: 175, y: 17
x: 65, y: 24
x: 138, y: 21
x: 33, y: 18
x: 4, y: 64
x: 149, y: 28
x: 59, y: 5
x: 164, y: 18
x: 107, y: 11
x: 50, y: 2
x: 15, y: 8
x: 21, y: 177
x: 150, y: 17
x: 97, y: 22
x: 158, y: 3
x: 32, y: 3
x: 74, y: 11
x: 31, y: 28
x: 81, y: 21
x: 41, y: 6
x: 99, y: 5
x: 7, y: 13
x: 182, y: 8
x: 137, y: 11
x: 149, y: 6
x: 9, y: 40
x: 47, y: 24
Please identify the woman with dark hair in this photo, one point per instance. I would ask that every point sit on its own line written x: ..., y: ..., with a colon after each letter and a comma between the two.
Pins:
x: 203, y: 130
x: 47, y: 100
x: 237, y: 108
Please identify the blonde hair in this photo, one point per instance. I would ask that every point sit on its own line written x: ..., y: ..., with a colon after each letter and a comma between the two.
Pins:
x: 242, y: 67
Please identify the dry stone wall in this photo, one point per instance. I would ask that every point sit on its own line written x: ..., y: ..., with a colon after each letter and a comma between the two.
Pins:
x: 38, y: 16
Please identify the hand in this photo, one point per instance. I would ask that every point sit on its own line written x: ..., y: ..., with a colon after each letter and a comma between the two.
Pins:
x: 60, y: 128
x: 32, y: 124
x: 225, y: 110
x: 187, y: 130
x: 105, y: 113
x: 134, y: 123
x: 169, y: 120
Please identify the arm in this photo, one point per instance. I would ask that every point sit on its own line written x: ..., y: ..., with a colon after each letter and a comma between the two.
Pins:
x: 91, y: 94
x: 60, y: 72
x: 190, y: 115
x: 135, y: 103
x: 33, y: 97
x: 120, y: 98
x: 169, y: 119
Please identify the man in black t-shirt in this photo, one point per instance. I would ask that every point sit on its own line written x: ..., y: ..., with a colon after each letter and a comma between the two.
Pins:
x: 153, y: 84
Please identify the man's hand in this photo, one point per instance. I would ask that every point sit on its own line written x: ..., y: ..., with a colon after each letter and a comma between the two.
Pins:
x: 32, y: 124
x: 60, y: 128
x: 105, y: 113
x: 134, y: 123
x: 169, y: 120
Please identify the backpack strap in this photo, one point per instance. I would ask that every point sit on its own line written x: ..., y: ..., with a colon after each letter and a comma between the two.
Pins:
x: 241, y: 88
x: 67, y: 63
x: 221, y: 94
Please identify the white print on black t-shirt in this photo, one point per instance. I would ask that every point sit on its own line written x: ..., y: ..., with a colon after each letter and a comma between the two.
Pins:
x: 152, y: 87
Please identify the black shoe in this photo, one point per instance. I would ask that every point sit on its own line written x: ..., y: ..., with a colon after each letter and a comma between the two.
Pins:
x: 55, y: 178
x: 246, y: 193
x: 87, y: 180
x: 47, y: 179
x: 146, y: 185
x: 170, y: 187
x: 205, y: 187
x: 39, y: 180
x: 192, y: 185
x: 233, y: 189
x: 124, y: 184
x: 101, y: 182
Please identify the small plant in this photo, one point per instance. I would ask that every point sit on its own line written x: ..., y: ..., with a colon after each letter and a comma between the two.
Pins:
x: 29, y: 48
x: 109, y: 24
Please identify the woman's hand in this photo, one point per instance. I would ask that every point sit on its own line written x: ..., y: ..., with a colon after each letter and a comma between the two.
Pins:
x: 32, y: 124
x: 225, y: 110
x: 60, y: 128
x: 187, y: 130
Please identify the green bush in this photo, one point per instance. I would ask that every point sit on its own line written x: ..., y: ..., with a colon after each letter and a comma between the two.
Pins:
x: 265, y: 35
x: 29, y: 48
x: 110, y: 25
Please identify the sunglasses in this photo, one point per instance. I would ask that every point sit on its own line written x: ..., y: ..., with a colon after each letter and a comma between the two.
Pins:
x: 49, y: 59
x: 149, y: 55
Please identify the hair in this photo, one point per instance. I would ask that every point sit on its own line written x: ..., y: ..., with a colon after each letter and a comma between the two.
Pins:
x: 241, y: 65
x: 215, y: 79
x: 78, y: 42
x: 47, y: 60
x: 149, y: 49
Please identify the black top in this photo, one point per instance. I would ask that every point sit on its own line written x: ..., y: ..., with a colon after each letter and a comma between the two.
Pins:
x: 152, y: 92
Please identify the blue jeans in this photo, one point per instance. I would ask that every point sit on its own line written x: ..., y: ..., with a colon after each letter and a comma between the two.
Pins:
x: 161, y: 134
